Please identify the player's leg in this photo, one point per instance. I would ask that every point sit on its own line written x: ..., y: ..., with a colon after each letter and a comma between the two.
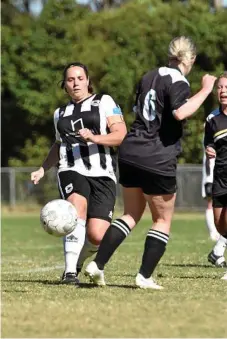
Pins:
x: 161, y: 204
x: 216, y: 256
x: 99, y: 216
x: 209, y: 215
x: 74, y: 188
x: 134, y: 205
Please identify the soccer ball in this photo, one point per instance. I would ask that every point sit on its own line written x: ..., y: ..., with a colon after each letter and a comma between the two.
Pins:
x: 58, y: 217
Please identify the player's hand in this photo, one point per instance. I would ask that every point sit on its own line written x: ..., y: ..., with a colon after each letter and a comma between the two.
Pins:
x: 210, y: 152
x: 87, y: 135
x: 37, y: 175
x: 208, y: 82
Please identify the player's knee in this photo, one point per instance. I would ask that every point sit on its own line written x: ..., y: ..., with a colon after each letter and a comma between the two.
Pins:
x: 95, y: 238
x: 80, y: 203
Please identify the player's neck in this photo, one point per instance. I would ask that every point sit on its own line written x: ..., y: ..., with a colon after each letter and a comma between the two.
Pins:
x: 179, y: 66
x: 78, y: 100
x: 224, y: 109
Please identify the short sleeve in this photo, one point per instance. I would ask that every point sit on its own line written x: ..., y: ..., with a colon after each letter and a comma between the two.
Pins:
x: 56, y: 118
x: 112, y: 111
x: 179, y: 93
x: 138, y: 90
x: 208, y: 137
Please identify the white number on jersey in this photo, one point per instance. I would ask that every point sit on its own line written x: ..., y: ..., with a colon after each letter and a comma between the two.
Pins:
x: 149, y: 112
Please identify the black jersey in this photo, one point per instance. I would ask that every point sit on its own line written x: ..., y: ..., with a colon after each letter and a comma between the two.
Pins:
x: 153, y: 142
x: 216, y: 137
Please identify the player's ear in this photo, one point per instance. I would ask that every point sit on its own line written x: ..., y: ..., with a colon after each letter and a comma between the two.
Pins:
x: 63, y: 86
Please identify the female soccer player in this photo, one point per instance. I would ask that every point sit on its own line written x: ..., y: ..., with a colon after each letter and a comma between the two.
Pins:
x: 148, y: 159
x: 87, y: 128
x: 215, y: 142
x: 216, y: 256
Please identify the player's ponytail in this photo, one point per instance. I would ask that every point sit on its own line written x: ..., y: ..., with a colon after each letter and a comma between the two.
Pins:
x: 183, y: 50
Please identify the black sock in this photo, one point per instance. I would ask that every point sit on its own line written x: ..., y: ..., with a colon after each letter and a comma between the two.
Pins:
x: 155, y: 246
x: 113, y: 237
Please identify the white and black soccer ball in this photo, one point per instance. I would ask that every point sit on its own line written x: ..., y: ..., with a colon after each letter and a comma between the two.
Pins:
x: 58, y: 217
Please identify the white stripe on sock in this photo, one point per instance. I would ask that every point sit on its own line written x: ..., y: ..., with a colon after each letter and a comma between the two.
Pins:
x: 121, y: 227
x: 159, y: 236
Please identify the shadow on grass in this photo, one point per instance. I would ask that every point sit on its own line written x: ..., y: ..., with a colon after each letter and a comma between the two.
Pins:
x: 123, y: 275
x: 58, y: 283
x: 14, y: 291
x: 193, y: 277
x: 198, y: 277
x: 189, y: 265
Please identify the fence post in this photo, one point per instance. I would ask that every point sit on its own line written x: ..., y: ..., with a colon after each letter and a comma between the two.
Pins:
x: 12, y: 187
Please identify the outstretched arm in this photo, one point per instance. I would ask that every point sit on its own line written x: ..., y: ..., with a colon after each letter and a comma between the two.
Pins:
x: 50, y: 161
x: 193, y: 104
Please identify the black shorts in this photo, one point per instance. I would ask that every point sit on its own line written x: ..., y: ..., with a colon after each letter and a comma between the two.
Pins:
x: 150, y: 183
x: 220, y: 201
x: 100, y: 192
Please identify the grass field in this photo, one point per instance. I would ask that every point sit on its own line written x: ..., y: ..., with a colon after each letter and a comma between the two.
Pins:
x: 35, y: 305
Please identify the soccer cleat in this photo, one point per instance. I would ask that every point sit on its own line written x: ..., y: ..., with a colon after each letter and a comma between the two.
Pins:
x: 95, y: 274
x: 70, y: 278
x: 224, y: 276
x: 147, y: 282
x: 218, y: 261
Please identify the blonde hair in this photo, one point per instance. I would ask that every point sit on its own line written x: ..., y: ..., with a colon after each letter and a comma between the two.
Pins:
x: 182, y: 49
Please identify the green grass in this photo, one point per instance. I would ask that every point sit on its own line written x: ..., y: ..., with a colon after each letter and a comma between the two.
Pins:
x: 193, y: 303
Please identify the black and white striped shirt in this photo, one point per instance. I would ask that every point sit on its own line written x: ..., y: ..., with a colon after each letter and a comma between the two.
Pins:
x: 216, y: 137
x: 87, y: 158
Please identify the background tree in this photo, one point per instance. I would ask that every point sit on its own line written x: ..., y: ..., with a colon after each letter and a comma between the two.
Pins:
x: 118, y: 45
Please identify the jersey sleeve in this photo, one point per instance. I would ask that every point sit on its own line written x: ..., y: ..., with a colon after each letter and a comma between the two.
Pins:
x: 138, y: 90
x: 112, y: 111
x: 56, y: 118
x: 179, y: 93
x: 208, y: 137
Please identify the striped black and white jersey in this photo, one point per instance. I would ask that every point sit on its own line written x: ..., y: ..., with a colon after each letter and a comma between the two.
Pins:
x: 153, y: 142
x: 86, y: 158
x: 216, y: 137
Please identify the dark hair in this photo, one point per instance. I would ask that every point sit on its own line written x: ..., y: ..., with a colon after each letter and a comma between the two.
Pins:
x: 222, y: 75
x: 78, y: 64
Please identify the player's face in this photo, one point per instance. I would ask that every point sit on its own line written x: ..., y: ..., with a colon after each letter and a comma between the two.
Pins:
x: 222, y: 91
x: 76, y: 83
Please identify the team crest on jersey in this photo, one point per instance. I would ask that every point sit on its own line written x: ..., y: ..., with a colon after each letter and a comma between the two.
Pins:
x: 117, y: 110
x: 95, y: 103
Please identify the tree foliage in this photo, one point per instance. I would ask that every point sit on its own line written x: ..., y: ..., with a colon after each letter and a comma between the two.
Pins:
x: 118, y: 45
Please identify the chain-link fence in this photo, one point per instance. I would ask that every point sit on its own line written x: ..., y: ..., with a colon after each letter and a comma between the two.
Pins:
x: 17, y: 188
